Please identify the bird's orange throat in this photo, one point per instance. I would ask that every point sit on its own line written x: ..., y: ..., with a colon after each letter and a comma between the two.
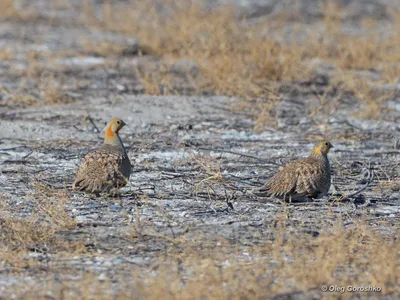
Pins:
x: 109, y: 132
x: 111, y: 137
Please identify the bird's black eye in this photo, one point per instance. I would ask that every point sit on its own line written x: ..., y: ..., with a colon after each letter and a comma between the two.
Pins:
x: 326, y: 144
x: 118, y: 122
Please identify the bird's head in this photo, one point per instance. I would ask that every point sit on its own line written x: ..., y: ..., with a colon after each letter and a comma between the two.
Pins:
x: 112, y: 129
x: 322, y: 148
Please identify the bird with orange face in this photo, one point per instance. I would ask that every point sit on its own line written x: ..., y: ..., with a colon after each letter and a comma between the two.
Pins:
x: 108, y: 168
x: 302, y: 178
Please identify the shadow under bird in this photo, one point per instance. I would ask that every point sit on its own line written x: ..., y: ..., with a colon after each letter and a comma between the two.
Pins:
x: 302, y: 178
x: 108, y: 168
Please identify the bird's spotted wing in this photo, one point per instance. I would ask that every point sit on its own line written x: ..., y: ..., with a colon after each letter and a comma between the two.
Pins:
x: 100, y: 171
x: 310, y: 172
x: 296, y: 179
x: 282, y: 183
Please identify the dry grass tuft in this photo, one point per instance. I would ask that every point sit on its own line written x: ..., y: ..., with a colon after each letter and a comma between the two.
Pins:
x: 50, y: 203
x: 371, y: 98
x: 195, y: 267
x: 104, y: 48
x: 237, y: 57
x: 8, y: 10
x: 50, y: 90
x: 287, y: 264
x: 5, y: 54
x: 38, y: 231
x: 231, y: 55
x: 45, y: 89
x: 16, y: 10
x: 26, y: 240
x: 164, y: 79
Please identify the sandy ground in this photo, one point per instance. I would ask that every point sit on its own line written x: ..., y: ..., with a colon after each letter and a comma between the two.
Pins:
x: 168, y: 147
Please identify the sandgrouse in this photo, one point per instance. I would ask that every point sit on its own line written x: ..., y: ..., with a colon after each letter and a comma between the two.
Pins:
x: 302, y: 178
x: 108, y: 168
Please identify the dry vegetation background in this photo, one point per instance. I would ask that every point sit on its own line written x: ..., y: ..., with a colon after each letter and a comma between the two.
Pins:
x: 300, y: 69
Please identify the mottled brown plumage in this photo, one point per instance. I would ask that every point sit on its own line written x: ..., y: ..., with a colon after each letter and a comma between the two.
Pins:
x: 301, y: 178
x: 107, y: 169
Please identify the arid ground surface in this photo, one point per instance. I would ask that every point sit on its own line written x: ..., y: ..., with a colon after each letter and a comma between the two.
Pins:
x: 214, y: 107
